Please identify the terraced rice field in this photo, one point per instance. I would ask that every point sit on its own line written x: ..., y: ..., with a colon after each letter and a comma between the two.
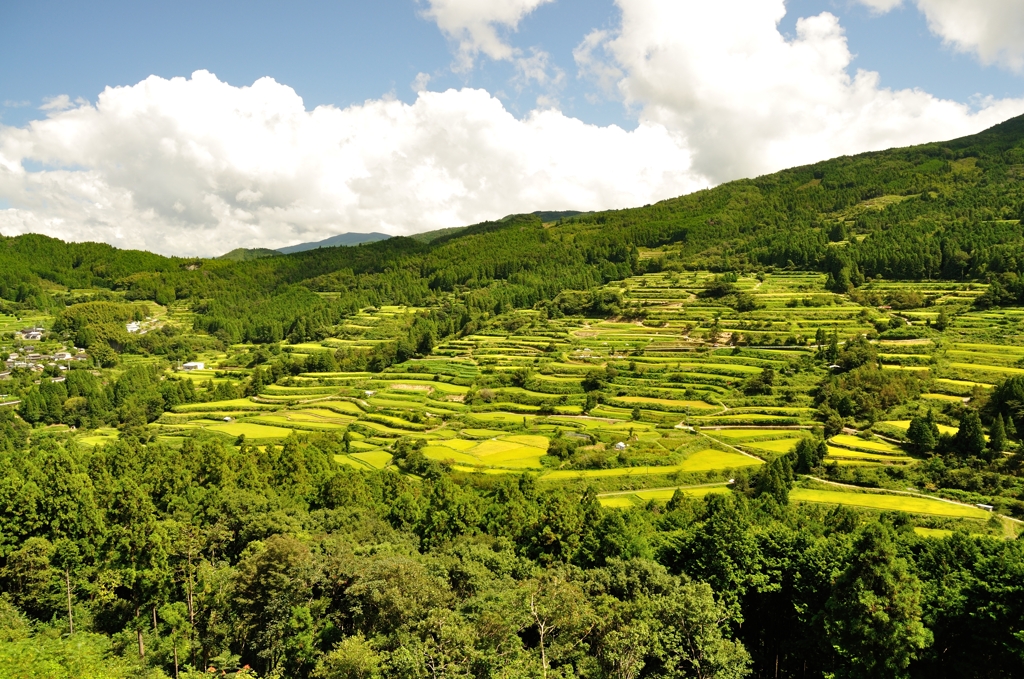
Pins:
x: 250, y: 430
x: 900, y: 503
x: 624, y: 500
x: 666, y: 381
x: 508, y: 452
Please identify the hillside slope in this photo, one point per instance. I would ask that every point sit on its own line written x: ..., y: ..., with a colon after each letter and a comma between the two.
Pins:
x: 246, y: 254
x: 941, y: 210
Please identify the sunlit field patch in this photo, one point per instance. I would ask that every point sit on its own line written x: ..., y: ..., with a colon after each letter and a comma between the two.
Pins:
x: 233, y: 404
x: 901, y: 503
x: 740, y: 433
x: 640, y: 497
x: 693, y: 405
x: 776, y: 446
x: 251, y: 430
x: 377, y: 459
x: 871, y: 445
x: 905, y: 424
x: 847, y: 453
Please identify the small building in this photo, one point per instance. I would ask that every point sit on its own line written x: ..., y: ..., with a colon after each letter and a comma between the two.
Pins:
x: 193, y: 365
x: 5, y: 376
x: 132, y: 327
x: 32, y: 335
x: 227, y: 419
x: 987, y: 508
x: 620, y: 446
x: 62, y: 356
x: 58, y: 379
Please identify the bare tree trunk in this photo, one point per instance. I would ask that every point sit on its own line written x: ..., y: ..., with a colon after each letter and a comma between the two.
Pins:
x: 154, y: 619
x: 175, y: 659
x: 191, y: 607
x: 541, y: 631
x: 67, y: 583
x: 138, y: 633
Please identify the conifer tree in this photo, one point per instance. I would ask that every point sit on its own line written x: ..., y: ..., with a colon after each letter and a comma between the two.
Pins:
x: 997, y: 435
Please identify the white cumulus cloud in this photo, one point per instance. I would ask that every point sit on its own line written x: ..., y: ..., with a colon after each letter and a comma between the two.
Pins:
x: 474, y: 25
x: 991, y: 29
x: 749, y: 101
x: 197, y: 166
x: 881, y: 6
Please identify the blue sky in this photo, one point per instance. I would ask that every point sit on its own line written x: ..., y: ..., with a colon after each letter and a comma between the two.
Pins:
x: 197, y: 127
x: 347, y: 51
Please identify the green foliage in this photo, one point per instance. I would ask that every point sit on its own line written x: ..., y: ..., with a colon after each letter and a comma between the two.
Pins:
x: 873, y: 617
x: 761, y: 384
x: 808, y: 454
x: 997, y: 435
x: 775, y: 479
x: 970, y: 436
x: 923, y: 433
x: 174, y: 554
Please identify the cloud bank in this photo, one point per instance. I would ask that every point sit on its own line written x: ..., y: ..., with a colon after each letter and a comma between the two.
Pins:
x: 198, y: 166
x: 993, y: 30
x: 749, y: 101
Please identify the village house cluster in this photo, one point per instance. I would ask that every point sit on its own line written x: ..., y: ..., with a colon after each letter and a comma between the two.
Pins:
x: 26, y: 358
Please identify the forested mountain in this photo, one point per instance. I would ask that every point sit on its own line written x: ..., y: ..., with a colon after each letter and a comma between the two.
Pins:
x: 736, y: 433
x: 245, y: 254
x: 943, y: 210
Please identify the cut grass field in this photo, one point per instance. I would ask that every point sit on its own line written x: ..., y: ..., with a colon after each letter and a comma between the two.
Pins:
x: 899, y: 503
x: 99, y: 437
x: 692, y: 405
x: 251, y: 430
x: 626, y: 500
x: 233, y: 404
x: 977, y: 367
x: 378, y: 459
x: 870, y: 445
x: 741, y: 433
x: 702, y: 461
x: 775, y: 446
x: 905, y: 424
x: 287, y: 419
x: 847, y: 453
x: 515, y: 451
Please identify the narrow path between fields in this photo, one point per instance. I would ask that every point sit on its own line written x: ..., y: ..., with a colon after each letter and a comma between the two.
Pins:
x: 731, y: 447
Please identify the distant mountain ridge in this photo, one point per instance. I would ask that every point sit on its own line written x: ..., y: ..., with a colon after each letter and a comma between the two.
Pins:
x: 247, y: 254
x: 334, y: 241
x: 351, y: 238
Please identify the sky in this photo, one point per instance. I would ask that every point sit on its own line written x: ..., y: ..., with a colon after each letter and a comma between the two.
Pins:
x: 192, y: 128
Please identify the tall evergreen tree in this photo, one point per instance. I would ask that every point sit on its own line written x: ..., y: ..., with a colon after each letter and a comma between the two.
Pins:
x: 969, y: 440
x: 873, y: 618
x: 997, y: 435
